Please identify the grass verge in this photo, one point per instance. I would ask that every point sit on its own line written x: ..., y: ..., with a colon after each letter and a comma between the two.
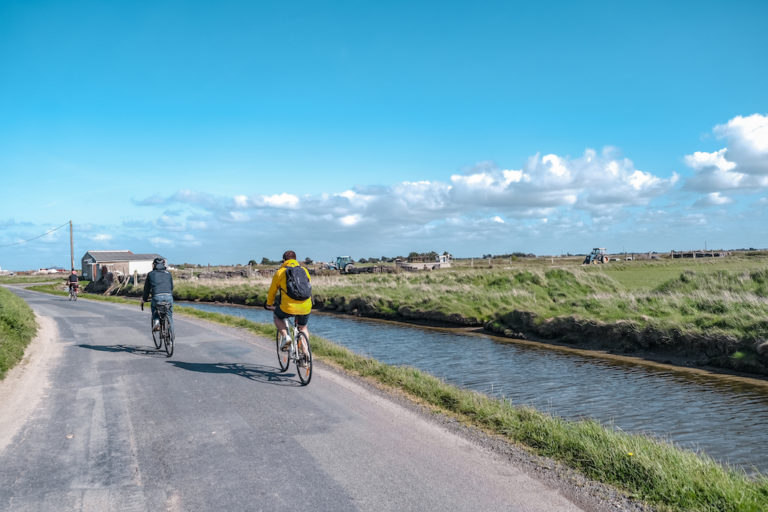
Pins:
x: 29, y: 279
x: 17, y: 328
x: 647, y: 469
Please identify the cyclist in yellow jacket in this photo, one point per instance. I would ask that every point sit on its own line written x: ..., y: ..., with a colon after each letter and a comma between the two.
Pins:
x: 286, y: 305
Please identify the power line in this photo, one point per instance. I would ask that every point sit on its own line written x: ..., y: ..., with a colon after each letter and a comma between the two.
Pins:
x: 38, y: 236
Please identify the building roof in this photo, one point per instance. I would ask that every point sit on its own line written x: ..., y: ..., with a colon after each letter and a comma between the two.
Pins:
x: 107, y: 256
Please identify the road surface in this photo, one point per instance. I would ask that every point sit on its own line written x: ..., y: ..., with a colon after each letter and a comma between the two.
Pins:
x: 96, y: 419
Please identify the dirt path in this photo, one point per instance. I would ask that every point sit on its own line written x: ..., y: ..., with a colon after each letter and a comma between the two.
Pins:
x: 25, y: 383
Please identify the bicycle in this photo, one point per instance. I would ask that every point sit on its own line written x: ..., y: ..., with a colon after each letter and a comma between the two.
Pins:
x: 299, y: 351
x: 73, y: 293
x: 165, y: 335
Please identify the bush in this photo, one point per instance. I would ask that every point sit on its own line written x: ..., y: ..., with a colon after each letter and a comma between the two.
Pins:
x: 17, y: 328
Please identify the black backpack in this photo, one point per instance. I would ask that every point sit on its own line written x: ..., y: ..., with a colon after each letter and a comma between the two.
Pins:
x: 297, y: 284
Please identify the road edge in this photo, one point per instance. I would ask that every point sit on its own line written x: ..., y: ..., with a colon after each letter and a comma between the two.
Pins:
x: 25, y: 383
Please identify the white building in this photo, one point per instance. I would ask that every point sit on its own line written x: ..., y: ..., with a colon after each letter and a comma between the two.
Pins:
x: 97, y: 263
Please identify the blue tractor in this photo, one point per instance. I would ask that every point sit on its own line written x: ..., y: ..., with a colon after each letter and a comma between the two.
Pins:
x: 597, y: 255
x: 344, y: 264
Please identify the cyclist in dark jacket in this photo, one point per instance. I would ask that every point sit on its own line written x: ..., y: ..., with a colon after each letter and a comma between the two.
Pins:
x: 73, y: 280
x: 159, y: 284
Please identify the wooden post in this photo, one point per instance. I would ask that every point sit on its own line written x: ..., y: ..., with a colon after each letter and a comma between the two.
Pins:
x: 71, y: 247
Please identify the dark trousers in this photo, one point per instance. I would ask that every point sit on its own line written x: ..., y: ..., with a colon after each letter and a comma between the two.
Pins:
x: 162, y: 297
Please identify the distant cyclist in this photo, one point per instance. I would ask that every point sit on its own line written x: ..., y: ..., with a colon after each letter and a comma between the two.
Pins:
x: 73, y: 282
x: 159, y: 284
x: 290, y: 279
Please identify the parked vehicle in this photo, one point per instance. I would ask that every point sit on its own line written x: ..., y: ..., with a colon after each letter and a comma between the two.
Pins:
x: 597, y: 255
x: 344, y: 264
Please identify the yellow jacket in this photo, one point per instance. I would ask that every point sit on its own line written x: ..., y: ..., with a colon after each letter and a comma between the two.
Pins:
x: 287, y: 304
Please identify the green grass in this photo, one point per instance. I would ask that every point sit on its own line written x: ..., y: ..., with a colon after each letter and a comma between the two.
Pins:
x: 647, y: 275
x: 29, y: 279
x: 17, y: 328
x: 646, y: 469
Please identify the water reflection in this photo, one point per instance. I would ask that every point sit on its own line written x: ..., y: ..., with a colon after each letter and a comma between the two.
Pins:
x: 725, y: 419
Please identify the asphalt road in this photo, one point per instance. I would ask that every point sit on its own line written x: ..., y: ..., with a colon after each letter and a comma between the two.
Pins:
x: 97, y: 419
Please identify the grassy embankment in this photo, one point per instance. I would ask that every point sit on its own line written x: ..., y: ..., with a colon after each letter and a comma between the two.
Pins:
x: 647, y: 469
x: 17, y: 328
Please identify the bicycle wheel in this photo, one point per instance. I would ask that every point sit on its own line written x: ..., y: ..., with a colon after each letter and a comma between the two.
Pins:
x: 304, y: 358
x: 155, y: 335
x: 282, y: 357
x: 167, y: 329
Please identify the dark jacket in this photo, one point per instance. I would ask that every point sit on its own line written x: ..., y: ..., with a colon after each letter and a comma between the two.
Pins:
x: 72, y: 278
x: 158, y: 281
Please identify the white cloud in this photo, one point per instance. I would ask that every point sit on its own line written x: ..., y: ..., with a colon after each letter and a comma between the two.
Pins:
x: 350, y: 220
x: 101, y: 237
x: 157, y: 240
x: 747, y: 139
x: 483, y: 202
x: 283, y: 200
x: 552, y: 181
x: 640, y: 180
x: 239, y: 217
x: 555, y: 165
x: 551, y: 202
x: 741, y: 165
x: 713, y: 199
x: 190, y: 241
x: 716, y: 160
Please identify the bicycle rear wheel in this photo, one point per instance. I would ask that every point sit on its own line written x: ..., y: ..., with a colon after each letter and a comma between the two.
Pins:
x: 155, y: 335
x: 282, y: 357
x: 303, y: 358
x: 169, y: 337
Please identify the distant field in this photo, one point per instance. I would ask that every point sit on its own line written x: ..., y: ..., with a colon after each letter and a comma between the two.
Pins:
x: 30, y: 279
x: 646, y: 275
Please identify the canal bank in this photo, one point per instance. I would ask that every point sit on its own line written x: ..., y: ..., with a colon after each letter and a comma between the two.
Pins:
x: 715, y: 352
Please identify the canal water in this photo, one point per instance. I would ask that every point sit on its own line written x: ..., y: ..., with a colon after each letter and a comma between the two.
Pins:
x: 726, y: 419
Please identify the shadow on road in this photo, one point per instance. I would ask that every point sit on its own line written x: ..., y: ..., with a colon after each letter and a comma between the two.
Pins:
x: 131, y: 349
x: 258, y: 373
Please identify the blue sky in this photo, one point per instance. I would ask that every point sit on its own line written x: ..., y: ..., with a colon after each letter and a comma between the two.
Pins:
x: 219, y: 133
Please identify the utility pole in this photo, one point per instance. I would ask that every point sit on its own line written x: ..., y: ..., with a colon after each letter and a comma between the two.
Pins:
x: 71, y: 248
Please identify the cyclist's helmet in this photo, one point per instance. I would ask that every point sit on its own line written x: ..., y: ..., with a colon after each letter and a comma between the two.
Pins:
x: 158, y: 262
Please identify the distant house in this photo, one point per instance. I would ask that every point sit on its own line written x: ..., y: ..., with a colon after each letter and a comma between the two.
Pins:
x: 425, y: 262
x: 51, y: 270
x: 97, y: 263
